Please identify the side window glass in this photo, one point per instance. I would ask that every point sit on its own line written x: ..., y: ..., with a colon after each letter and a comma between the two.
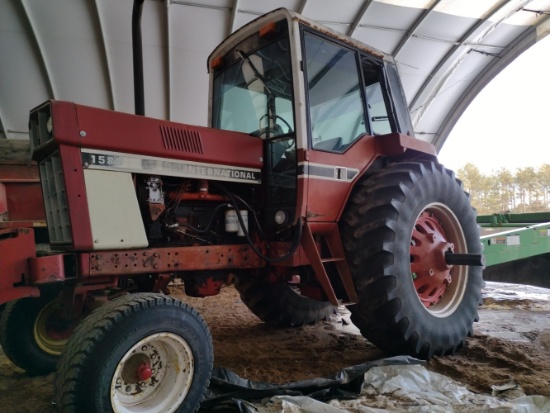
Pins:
x: 377, y: 110
x: 335, y: 103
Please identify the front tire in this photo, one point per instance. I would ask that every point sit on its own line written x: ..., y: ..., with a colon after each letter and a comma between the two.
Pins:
x: 141, y: 352
x: 396, y: 229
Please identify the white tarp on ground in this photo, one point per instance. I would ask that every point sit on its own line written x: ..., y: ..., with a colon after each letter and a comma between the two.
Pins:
x: 413, y: 389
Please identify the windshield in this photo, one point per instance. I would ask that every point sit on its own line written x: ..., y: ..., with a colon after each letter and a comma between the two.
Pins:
x: 254, y: 94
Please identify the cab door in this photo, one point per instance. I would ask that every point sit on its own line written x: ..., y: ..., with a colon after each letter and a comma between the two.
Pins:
x: 347, y: 106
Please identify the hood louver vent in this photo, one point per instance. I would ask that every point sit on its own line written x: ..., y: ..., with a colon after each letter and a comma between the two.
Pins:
x: 181, y: 140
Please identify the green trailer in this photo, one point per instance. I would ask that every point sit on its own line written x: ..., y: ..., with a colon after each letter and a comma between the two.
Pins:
x: 517, y: 247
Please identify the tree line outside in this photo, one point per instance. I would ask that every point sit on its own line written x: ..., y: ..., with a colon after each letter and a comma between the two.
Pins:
x: 525, y: 190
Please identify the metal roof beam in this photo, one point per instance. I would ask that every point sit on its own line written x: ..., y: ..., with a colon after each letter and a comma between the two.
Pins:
x: 413, y: 28
x: 233, y: 18
x: 37, y: 43
x: 3, y: 133
x: 448, y: 64
x: 387, y: 29
x: 103, y: 47
x: 525, y: 41
x: 358, y: 17
x: 302, y: 7
x: 199, y: 5
x: 252, y: 12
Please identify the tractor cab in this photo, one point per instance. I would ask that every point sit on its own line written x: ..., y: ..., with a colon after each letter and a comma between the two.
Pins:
x: 312, y: 95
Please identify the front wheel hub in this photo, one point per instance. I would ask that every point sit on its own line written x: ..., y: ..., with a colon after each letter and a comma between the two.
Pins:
x: 144, y: 372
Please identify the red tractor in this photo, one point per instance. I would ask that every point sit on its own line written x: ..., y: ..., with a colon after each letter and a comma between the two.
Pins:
x: 308, y: 187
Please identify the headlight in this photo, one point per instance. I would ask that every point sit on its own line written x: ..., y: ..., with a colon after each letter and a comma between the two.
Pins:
x: 280, y: 217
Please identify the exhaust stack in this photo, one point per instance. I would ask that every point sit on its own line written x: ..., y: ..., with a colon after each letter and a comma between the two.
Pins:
x: 137, y: 49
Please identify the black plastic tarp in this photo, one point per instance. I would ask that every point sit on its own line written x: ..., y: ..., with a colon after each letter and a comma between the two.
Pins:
x: 228, y: 391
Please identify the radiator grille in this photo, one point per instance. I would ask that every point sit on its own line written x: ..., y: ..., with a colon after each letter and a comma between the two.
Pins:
x: 55, y: 200
x: 41, y: 126
x: 181, y: 140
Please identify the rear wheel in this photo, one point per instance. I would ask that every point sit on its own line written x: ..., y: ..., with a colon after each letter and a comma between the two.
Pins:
x: 33, y: 334
x: 141, y: 352
x: 397, y: 228
x: 282, y: 304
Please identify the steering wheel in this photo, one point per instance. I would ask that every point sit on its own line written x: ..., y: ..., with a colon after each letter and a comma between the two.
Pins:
x: 285, y: 122
x: 277, y: 128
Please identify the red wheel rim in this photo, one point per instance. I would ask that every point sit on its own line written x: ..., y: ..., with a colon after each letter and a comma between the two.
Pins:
x: 430, y: 273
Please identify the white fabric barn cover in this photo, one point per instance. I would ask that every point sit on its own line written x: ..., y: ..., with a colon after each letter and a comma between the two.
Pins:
x: 80, y: 50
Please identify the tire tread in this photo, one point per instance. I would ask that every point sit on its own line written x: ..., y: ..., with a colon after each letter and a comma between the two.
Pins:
x: 68, y: 395
x: 369, y: 228
x: 278, y: 305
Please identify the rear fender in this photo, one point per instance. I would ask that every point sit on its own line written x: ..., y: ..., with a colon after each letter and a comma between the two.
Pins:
x: 396, y: 144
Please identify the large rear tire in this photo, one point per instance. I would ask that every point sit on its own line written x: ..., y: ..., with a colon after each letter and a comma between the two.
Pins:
x: 141, y: 352
x: 33, y: 335
x: 280, y: 304
x: 396, y: 229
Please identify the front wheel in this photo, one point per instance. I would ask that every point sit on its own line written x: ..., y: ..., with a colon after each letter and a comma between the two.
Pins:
x: 33, y: 333
x: 397, y: 229
x: 141, y: 352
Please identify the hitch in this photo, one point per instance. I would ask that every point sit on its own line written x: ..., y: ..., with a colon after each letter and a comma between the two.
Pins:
x: 477, y: 260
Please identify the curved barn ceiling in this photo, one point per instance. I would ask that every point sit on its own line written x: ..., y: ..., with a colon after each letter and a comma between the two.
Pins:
x: 80, y: 50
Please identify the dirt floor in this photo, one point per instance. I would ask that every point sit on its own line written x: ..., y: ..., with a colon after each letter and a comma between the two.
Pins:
x: 511, y: 344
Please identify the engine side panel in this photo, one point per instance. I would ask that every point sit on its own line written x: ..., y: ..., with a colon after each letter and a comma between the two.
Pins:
x: 130, y: 134
x: 114, y: 211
